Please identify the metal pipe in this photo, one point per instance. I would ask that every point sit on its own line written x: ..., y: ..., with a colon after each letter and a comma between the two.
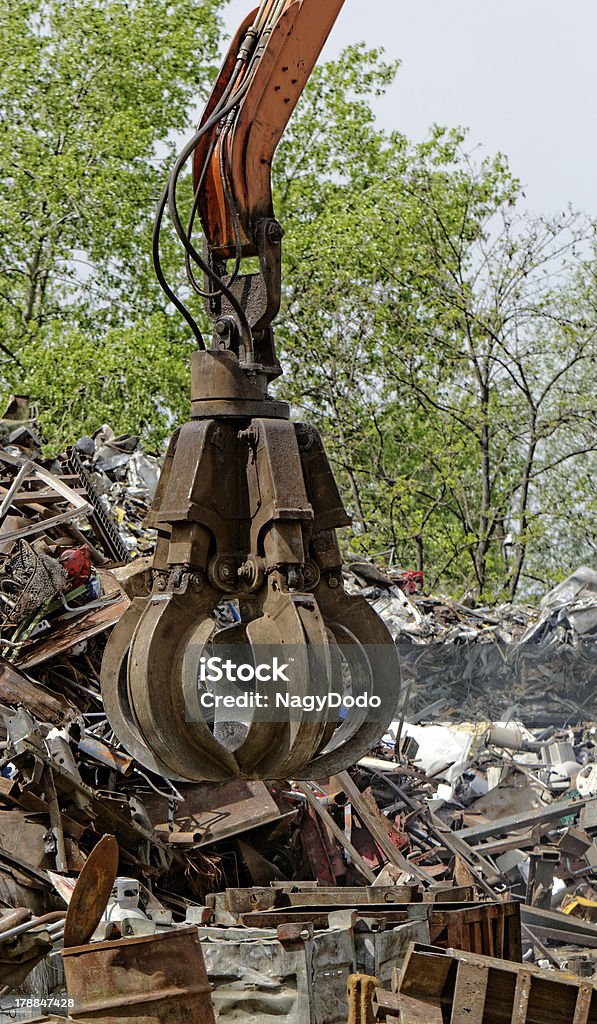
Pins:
x: 35, y: 922
x: 57, y: 927
x: 14, y: 917
x: 261, y: 13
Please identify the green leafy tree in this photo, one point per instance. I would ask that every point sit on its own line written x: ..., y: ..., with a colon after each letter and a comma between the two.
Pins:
x: 433, y: 332
x: 135, y: 378
x: 93, y: 92
x: 443, y: 342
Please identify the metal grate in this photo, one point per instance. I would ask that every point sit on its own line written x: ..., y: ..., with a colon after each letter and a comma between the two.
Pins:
x: 99, y: 517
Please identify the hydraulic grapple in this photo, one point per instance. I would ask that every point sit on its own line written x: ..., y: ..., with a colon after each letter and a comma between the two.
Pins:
x: 247, y: 507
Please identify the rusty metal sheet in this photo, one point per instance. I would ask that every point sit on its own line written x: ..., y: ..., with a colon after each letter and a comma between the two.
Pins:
x: 274, y: 918
x: 84, y: 627
x: 263, y: 898
x: 320, y: 915
x: 491, y: 929
x: 105, y: 754
x: 309, y: 974
x: 92, y: 892
x: 217, y: 810
x: 147, y: 978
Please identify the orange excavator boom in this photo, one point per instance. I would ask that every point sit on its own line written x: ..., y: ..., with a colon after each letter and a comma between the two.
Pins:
x: 267, y: 67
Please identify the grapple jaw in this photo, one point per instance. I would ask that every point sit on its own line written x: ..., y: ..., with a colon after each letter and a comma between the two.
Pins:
x: 247, y: 508
x: 246, y: 513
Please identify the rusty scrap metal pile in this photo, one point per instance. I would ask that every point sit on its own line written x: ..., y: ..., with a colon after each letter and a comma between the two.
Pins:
x: 455, y: 851
x: 474, y: 662
x: 149, y: 870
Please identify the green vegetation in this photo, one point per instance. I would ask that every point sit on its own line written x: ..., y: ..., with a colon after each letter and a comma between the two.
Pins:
x: 441, y: 339
x: 93, y: 94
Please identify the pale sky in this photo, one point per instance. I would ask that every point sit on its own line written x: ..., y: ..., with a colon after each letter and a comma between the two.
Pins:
x: 520, y: 74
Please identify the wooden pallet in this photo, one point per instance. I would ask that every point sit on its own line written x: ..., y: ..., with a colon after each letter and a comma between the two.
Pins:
x: 437, y: 986
x: 490, y: 929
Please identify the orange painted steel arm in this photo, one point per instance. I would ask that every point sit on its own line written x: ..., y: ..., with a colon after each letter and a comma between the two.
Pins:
x: 245, y: 150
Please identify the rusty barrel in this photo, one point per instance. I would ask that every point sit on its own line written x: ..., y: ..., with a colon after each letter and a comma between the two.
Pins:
x: 140, y: 980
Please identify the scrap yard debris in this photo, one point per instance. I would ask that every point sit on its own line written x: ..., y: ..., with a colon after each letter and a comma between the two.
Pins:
x: 474, y: 662
x: 451, y: 874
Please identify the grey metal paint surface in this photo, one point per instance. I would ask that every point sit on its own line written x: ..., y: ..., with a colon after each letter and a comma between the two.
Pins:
x: 259, y: 979
x: 378, y: 952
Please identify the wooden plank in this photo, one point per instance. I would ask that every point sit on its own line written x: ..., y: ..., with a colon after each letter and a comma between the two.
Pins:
x: 512, y: 933
x: 424, y: 973
x: 414, y: 1011
x: 16, y: 688
x: 46, y: 524
x: 62, y: 638
x: 58, y: 484
x: 500, y: 935
x: 31, y: 471
x: 450, y: 894
x: 336, y: 831
x: 7, y: 500
x: 468, y: 1005
x: 389, y: 1002
x: 582, y: 1009
x: 488, y: 939
x: 522, y: 995
x: 41, y: 497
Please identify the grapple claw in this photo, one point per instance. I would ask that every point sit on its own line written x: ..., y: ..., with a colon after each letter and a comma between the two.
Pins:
x: 247, y: 508
x: 280, y: 523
